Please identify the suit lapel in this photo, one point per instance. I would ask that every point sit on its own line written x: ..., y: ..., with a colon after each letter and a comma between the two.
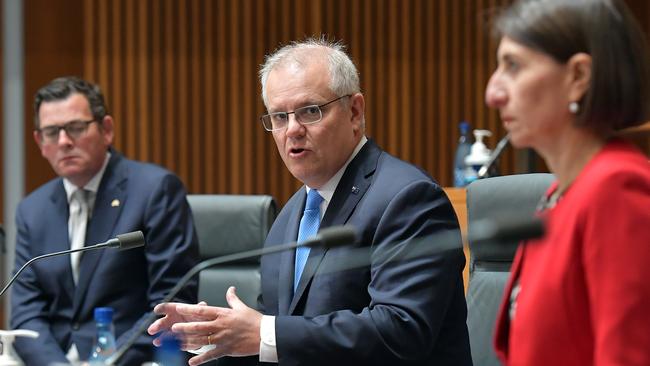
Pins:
x: 287, y: 261
x: 353, y: 185
x: 102, y: 222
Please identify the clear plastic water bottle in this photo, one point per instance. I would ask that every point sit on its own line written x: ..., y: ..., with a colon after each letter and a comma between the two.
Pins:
x: 462, y: 150
x: 104, y: 345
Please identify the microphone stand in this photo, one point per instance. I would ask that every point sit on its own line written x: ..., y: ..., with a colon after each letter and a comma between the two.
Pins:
x: 130, y: 240
x: 328, y: 237
x: 109, y: 244
x: 483, y: 172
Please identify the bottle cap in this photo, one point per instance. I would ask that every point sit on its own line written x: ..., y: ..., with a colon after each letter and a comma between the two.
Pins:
x: 464, y: 127
x: 170, y: 343
x: 169, y: 352
x: 103, y: 315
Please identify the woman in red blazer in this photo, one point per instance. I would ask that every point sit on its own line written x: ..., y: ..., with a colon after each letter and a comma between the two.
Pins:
x: 570, y: 74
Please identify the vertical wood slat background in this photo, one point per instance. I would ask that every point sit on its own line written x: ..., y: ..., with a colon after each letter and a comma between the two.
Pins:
x: 180, y: 77
x: 423, y: 63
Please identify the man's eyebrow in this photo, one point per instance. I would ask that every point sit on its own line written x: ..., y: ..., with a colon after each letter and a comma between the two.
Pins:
x: 304, y: 103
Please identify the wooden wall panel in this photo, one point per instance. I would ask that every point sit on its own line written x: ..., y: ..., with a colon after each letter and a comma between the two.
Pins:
x: 180, y: 77
x: 54, y: 46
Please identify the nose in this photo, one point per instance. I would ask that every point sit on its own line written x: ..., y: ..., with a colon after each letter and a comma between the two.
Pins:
x: 64, y: 139
x: 294, y: 128
x: 495, y: 94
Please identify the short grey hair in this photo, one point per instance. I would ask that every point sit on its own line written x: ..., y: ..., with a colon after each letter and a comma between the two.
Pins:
x: 344, y: 77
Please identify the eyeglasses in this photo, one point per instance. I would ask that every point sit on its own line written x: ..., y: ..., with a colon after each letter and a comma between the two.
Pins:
x: 304, y: 115
x: 74, y: 130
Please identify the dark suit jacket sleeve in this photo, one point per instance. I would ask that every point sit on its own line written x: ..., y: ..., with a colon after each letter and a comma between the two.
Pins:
x: 171, y: 250
x: 411, y: 299
x: 31, y: 307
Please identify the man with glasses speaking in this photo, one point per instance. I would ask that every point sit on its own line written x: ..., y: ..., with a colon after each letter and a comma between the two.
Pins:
x: 99, y: 193
x: 404, y: 305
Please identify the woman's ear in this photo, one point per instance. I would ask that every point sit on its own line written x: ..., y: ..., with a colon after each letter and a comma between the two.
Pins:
x: 579, y: 66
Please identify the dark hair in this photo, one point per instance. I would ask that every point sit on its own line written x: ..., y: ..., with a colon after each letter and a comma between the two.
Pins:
x: 61, y: 88
x: 606, y: 30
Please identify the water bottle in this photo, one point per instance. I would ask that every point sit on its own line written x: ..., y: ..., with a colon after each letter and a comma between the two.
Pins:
x: 169, y: 353
x: 104, y: 345
x: 462, y: 150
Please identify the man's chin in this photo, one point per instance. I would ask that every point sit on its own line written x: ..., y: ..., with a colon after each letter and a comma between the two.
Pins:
x: 308, y: 178
x: 69, y: 172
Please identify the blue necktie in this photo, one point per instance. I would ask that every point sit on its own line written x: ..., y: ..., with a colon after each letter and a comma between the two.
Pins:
x: 308, y: 227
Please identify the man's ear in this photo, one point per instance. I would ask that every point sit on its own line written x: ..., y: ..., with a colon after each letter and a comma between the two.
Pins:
x: 579, y: 67
x: 107, y: 129
x: 357, y: 107
x: 37, y: 139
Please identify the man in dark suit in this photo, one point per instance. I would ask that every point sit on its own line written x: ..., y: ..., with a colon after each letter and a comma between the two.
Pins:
x: 403, y: 306
x: 98, y: 194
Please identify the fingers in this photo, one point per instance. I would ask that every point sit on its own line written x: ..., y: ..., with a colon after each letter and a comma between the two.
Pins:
x: 193, y: 342
x: 198, y: 327
x: 172, y: 307
x: 165, y: 307
x: 155, y: 327
x: 198, y: 312
x: 172, y: 315
x: 160, y: 325
x: 207, y: 356
x: 233, y: 300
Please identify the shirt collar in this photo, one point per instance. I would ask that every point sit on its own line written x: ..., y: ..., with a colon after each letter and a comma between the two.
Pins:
x: 327, y: 190
x: 93, y: 183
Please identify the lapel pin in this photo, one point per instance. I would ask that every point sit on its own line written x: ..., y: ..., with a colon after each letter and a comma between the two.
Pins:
x: 355, y: 190
x: 115, y: 203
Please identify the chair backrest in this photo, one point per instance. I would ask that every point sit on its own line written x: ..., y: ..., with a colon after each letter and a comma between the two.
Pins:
x: 227, y: 224
x: 489, y: 266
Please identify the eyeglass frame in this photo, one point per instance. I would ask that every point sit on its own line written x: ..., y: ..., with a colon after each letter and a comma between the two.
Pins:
x: 319, y: 106
x: 65, y: 127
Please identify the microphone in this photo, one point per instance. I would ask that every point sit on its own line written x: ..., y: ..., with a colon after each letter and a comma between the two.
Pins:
x: 506, y: 229
x: 134, y: 239
x: 330, y: 237
x: 483, y: 171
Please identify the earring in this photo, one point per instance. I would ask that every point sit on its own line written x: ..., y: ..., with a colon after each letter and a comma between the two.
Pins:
x: 574, y: 107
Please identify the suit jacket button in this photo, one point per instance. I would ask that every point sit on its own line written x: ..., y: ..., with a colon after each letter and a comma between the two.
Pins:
x: 75, y: 326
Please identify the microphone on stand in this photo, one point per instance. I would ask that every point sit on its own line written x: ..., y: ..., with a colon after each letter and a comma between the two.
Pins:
x: 134, y: 239
x: 330, y: 237
x: 483, y: 171
x: 506, y: 229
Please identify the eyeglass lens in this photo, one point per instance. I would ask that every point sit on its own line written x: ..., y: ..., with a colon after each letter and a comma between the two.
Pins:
x: 73, y: 129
